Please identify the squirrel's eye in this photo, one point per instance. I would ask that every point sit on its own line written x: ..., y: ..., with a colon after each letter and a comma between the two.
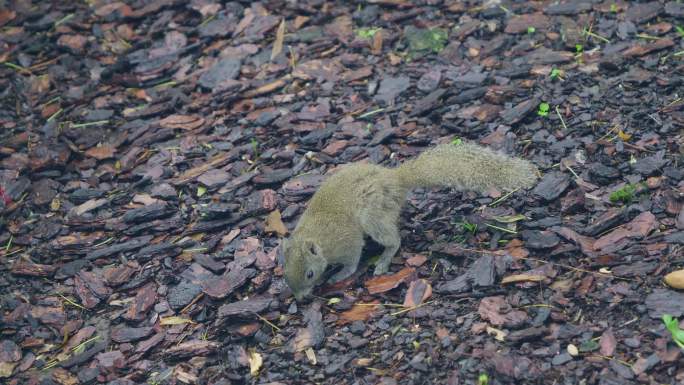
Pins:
x: 309, y: 274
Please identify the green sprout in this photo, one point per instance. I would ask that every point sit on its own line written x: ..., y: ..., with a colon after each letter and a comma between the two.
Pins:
x: 624, y: 195
x: 613, y: 8
x: 255, y: 147
x: 483, y: 379
x: 367, y: 33
x: 201, y: 190
x: 579, y: 48
x: 469, y: 227
x: 680, y: 30
x: 531, y: 30
x: 672, y: 324
x: 456, y: 141
x: 555, y: 74
x: 543, y: 109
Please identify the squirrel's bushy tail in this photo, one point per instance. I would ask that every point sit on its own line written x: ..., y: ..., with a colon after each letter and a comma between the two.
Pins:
x: 467, y: 166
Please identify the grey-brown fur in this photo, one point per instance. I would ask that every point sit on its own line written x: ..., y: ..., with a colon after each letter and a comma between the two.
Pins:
x: 364, y: 199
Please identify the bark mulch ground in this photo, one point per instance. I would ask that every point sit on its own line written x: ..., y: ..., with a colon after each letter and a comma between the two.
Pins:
x: 153, y: 154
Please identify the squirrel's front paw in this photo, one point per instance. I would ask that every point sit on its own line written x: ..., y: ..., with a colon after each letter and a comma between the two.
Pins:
x: 380, y: 269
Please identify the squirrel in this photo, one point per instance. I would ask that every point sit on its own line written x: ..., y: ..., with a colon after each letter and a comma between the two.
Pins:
x: 365, y: 200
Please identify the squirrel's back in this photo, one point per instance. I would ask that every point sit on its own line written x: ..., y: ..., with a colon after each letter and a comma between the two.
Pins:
x: 467, y: 166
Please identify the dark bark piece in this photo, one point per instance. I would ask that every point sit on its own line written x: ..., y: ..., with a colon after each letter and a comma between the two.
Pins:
x: 148, y: 213
x: 552, y: 186
x: 391, y: 88
x: 428, y: 103
x: 516, y: 114
x: 674, y: 8
x: 26, y: 267
x: 665, y: 301
x: 152, y: 342
x: 142, y: 303
x: 540, y: 239
x: 87, y: 298
x: 568, y: 8
x: 220, y: 72
x: 273, y: 177
x: 182, y: 294
x: 193, y: 348
x: 207, y: 261
x: 133, y: 244
x: 246, y: 308
x: 220, y: 287
x: 9, y: 351
x: 640, y: 13
x: 520, y: 23
x: 126, y: 334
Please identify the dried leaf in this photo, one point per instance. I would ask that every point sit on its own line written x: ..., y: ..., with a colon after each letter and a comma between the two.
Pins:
x: 268, y: 88
x: 358, y: 312
x: 418, y: 291
x: 278, y: 43
x: 255, y: 362
x: 608, y: 343
x: 498, y: 334
x: 624, y: 136
x: 385, y: 283
x: 377, y: 43
x: 186, y: 122
x: 311, y: 355
x: 174, y: 320
x: 274, y: 224
x: 101, y: 152
x: 523, y: 278
x: 299, y: 21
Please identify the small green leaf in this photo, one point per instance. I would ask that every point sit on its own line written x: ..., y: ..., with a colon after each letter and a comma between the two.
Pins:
x: 579, y: 48
x: 366, y: 33
x: 531, y: 30
x: 334, y: 300
x: 672, y: 325
x: 456, y: 141
x: 201, y: 190
x: 543, y: 109
x: 588, y: 346
x: 483, y: 379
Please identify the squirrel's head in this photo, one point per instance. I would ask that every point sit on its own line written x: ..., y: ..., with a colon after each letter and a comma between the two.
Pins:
x: 304, y: 266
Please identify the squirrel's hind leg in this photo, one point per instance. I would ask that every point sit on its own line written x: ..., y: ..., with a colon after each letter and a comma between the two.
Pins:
x: 379, y: 218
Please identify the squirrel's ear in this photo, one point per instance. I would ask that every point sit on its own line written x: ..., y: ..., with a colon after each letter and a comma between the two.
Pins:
x: 312, y: 247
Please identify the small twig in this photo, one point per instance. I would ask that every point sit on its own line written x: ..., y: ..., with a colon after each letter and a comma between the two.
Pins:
x: 648, y: 37
x: 97, y: 123
x: 269, y: 323
x: 194, y: 301
x: 561, y: 119
x: 53, y: 116
x: 501, y: 229
x: 72, y: 303
x: 370, y: 113
x: 411, y: 308
x: 573, y: 172
x: 503, y: 198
